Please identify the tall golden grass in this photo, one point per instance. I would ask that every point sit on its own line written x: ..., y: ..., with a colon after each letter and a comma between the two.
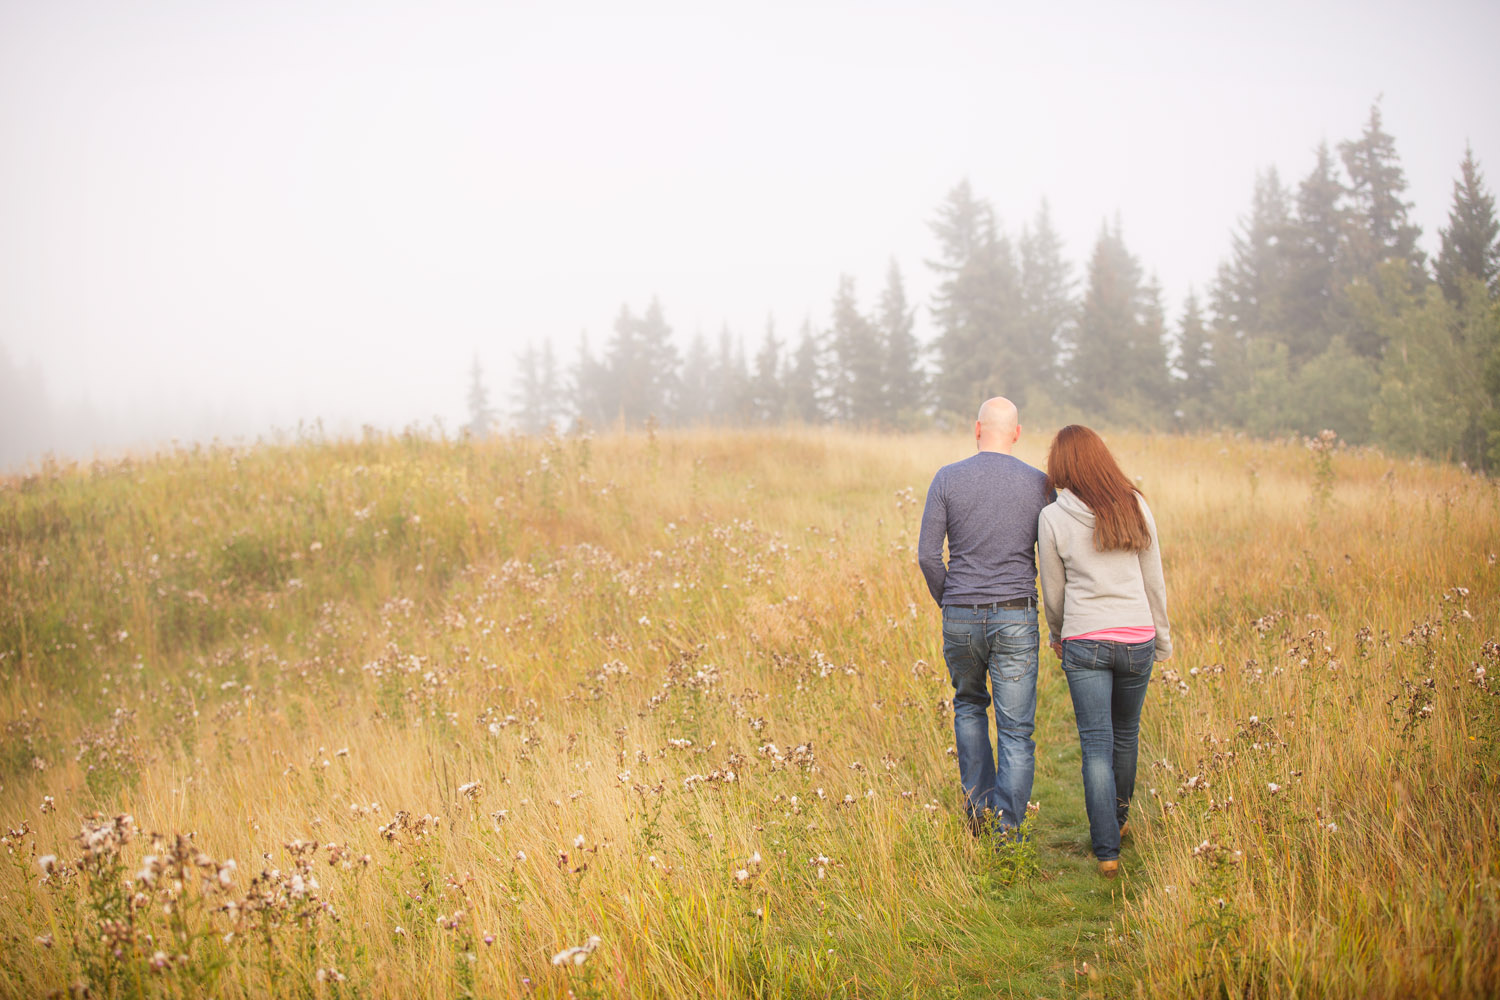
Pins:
x: 454, y: 708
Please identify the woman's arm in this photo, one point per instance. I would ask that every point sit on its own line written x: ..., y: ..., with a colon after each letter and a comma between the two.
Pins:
x: 1054, y: 578
x: 1156, y: 587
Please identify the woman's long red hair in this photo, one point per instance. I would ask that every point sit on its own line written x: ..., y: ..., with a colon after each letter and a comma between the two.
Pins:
x: 1079, y: 461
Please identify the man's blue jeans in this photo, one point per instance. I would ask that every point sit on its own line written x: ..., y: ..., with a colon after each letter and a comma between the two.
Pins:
x: 993, y: 651
x: 1108, y: 681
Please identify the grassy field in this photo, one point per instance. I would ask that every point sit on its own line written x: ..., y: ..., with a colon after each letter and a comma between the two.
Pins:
x: 409, y: 718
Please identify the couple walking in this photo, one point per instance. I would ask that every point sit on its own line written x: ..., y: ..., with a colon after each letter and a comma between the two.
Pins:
x: 1104, y: 599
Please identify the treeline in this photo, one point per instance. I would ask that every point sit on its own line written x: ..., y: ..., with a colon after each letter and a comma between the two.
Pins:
x: 1324, y: 314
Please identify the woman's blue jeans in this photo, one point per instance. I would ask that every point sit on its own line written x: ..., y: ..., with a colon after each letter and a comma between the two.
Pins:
x: 993, y: 651
x: 1108, y: 682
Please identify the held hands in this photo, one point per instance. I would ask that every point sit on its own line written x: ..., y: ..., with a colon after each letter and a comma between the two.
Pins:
x: 1057, y: 648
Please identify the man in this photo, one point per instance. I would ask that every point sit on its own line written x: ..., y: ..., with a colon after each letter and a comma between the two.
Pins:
x: 987, y: 507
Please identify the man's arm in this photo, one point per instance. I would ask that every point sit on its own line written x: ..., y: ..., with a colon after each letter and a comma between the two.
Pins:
x: 930, y: 541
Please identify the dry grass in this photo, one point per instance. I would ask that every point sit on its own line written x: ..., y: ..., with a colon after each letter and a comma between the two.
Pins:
x: 662, y: 657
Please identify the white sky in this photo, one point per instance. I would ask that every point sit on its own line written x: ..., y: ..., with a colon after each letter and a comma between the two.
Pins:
x: 260, y: 211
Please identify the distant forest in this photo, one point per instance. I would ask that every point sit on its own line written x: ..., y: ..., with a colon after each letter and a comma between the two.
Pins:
x: 1324, y: 314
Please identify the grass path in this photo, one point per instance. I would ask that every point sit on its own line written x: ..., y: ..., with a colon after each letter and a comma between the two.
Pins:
x: 1046, y: 935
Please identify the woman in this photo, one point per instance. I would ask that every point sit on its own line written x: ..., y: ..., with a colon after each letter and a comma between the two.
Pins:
x: 1106, y: 607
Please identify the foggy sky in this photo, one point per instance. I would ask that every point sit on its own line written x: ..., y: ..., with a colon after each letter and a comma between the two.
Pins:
x: 242, y: 214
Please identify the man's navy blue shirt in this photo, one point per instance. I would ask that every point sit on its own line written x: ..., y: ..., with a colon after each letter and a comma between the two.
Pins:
x: 987, y: 507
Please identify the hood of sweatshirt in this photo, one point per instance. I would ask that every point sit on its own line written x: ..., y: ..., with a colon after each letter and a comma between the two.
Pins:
x: 1076, y: 508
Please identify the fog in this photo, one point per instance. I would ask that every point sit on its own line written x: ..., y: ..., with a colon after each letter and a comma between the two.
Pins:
x: 221, y: 219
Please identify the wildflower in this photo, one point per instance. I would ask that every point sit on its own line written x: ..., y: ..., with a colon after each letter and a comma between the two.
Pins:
x: 48, y: 805
x: 1272, y: 787
x: 48, y: 863
x: 330, y: 975
x: 578, y: 954
x: 400, y: 931
x: 45, y: 940
x: 489, y: 939
x: 578, y: 842
x: 743, y: 875
x: 520, y: 855
x: 755, y: 858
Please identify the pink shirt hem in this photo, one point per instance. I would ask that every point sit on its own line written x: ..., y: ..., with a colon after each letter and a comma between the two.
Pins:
x: 1126, y: 633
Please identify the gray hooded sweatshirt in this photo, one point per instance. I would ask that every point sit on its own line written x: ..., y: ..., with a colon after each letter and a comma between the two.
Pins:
x: 1084, y: 590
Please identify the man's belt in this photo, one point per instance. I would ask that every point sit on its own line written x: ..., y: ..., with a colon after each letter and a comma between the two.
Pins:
x: 1014, y: 602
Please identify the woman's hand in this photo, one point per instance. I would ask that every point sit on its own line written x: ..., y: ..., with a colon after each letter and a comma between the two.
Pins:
x: 1057, y: 648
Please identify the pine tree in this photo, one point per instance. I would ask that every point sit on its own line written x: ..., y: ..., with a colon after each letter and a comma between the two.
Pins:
x: 481, y: 415
x: 768, y: 397
x: 1471, y: 240
x: 1379, y: 228
x: 1199, y: 384
x: 975, y: 307
x: 640, y: 368
x: 856, y: 377
x: 731, y: 403
x: 1313, y: 280
x: 804, y: 383
x: 1048, y: 310
x: 1120, y: 362
x: 904, y: 383
x: 1251, y: 291
x: 695, y: 405
x: 528, y: 411
x: 554, y: 406
x: 589, y: 387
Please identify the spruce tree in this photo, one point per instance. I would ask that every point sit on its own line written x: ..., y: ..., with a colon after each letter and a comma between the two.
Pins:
x: 804, y: 383
x: 588, y: 380
x: 1471, y: 240
x: 481, y: 416
x: 904, y: 384
x: 1313, y: 254
x: 1379, y: 227
x: 1120, y: 361
x: 731, y: 404
x: 856, y: 378
x: 767, y: 396
x: 1251, y: 292
x: 695, y: 404
x: 975, y: 307
x: 1198, y: 384
x: 1048, y: 309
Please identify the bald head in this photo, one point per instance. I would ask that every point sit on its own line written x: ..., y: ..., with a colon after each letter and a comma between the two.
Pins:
x: 999, y: 425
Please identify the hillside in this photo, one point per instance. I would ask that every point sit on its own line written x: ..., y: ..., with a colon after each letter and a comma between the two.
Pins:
x: 451, y: 708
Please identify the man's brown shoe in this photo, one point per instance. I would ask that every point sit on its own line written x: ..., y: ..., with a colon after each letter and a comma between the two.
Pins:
x: 1109, y: 869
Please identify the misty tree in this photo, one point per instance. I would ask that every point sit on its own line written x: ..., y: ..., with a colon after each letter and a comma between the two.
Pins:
x: 1250, y: 292
x: 731, y: 402
x: 540, y: 401
x: 1432, y: 398
x: 804, y: 379
x: 1120, y: 363
x: 588, y: 379
x: 1313, y: 278
x: 1471, y: 240
x: 975, y: 306
x: 695, y: 402
x: 904, y: 385
x: 767, y: 393
x: 856, y: 377
x: 1048, y: 309
x: 481, y: 415
x: 639, y: 375
x: 1198, y: 384
x: 1379, y: 228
